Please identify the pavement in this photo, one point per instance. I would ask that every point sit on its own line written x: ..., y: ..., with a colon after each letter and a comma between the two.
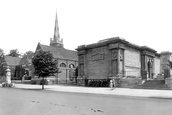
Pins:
x: 105, y: 91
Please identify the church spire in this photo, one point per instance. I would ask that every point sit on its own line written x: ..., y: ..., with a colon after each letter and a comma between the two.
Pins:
x: 56, y: 39
x: 56, y: 29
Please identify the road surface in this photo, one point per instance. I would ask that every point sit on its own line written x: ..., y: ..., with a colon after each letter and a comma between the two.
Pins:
x: 42, y: 102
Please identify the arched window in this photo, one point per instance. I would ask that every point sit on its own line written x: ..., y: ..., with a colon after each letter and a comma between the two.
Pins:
x: 62, y: 65
x: 71, y: 66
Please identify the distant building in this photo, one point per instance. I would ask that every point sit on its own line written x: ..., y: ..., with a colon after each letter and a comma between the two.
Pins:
x: 10, y: 61
x: 165, y: 57
x: 25, y: 67
x: 67, y: 59
x: 117, y: 58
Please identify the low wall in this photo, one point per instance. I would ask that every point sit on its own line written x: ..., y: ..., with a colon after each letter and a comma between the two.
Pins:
x: 48, y: 81
x: 80, y: 81
x: 130, y: 82
x: 168, y: 81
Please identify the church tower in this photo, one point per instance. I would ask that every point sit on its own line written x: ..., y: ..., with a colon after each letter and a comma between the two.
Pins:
x: 56, y: 41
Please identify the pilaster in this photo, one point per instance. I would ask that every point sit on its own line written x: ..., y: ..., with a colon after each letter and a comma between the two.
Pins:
x: 117, y: 60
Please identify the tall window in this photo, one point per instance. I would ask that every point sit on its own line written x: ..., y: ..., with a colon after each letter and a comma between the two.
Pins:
x: 62, y: 65
x: 71, y: 66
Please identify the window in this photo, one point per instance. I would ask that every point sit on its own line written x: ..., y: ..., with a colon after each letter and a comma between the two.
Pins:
x: 62, y: 65
x: 71, y: 66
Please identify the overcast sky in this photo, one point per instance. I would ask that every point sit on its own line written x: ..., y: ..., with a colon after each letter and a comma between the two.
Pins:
x: 24, y: 23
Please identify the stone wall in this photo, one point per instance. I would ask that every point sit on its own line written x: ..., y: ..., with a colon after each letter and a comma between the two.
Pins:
x: 98, y: 63
x: 130, y: 83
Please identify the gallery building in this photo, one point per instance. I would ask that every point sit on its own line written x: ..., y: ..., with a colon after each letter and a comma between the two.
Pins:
x: 119, y: 59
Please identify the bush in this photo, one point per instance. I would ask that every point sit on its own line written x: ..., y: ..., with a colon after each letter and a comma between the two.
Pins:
x: 27, y: 78
x: 5, y: 84
x: 97, y: 83
x: 15, y: 78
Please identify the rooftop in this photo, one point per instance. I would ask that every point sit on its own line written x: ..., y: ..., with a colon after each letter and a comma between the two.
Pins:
x: 115, y: 40
x: 60, y: 52
x: 12, y: 61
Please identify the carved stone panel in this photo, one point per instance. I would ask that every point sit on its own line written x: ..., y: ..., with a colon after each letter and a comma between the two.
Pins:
x: 97, y: 57
x: 81, y: 59
x: 98, y: 54
x: 114, y: 54
x: 121, y: 54
x: 100, y: 50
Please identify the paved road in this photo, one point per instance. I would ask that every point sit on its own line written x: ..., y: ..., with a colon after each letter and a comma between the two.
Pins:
x: 44, y: 102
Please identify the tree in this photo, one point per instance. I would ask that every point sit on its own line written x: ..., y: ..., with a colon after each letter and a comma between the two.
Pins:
x: 28, y: 53
x: 1, y: 52
x: 2, y: 70
x: 44, y: 64
x: 14, y: 53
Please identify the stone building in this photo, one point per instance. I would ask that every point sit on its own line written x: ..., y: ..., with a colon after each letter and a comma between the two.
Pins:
x: 67, y: 59
x: 10, y: 61
x: 25, y: 67
x: 116, y: 58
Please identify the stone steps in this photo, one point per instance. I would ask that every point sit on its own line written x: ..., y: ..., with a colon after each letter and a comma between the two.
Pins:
x: 153, y: 84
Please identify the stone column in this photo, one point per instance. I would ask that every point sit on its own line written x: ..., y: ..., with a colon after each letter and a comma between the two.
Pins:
x: 110, y: 64
x: 8, y: 75
x: 82, y: 70
x: 118, y: 62
x: 123, y: 63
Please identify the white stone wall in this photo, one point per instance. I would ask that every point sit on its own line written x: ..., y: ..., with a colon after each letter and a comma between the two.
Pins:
x: 156, y: 66
x: 132, y: 62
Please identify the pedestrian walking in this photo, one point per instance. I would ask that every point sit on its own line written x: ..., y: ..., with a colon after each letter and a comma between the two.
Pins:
x: 111, y: 84
x: 113, y: 81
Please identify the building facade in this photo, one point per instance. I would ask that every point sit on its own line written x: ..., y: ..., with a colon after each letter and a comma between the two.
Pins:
x: 25, y: 68
x: 11, y: 62
x: 116, y: 58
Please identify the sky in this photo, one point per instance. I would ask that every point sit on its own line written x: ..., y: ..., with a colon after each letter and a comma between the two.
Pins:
x: 24, y: 23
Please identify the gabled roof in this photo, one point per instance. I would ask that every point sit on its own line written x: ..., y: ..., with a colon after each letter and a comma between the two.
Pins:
x: 12, y: 61
x: 25, y: 59
x: 59, y: 52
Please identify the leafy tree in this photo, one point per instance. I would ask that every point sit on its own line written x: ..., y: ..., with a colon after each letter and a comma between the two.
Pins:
x: 14, y: 53
x: 2, y: 69
x: 1, y: 52
x: 44, y: 64
x: 29, y: 53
